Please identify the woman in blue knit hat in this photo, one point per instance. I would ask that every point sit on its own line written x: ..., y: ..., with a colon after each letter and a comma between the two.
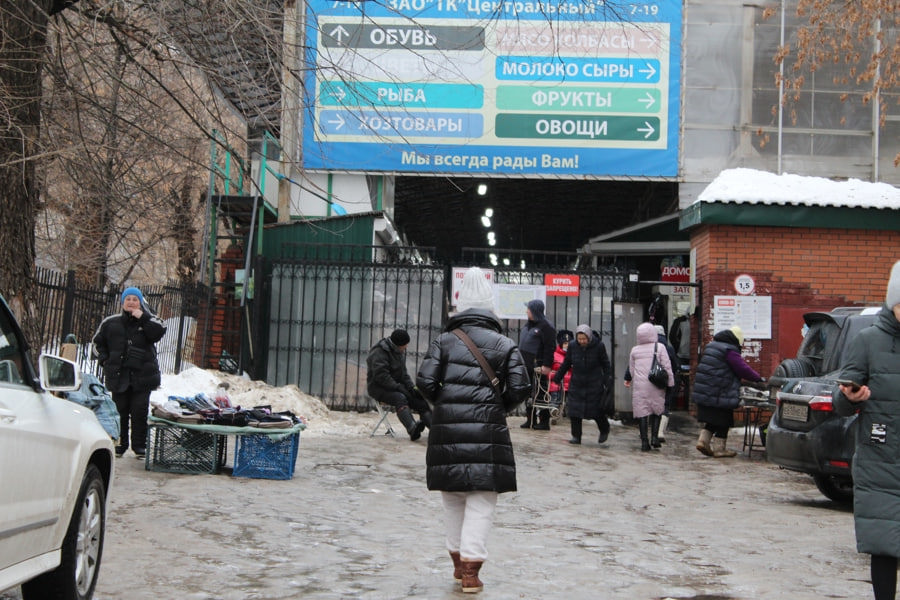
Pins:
x: 124, y: 345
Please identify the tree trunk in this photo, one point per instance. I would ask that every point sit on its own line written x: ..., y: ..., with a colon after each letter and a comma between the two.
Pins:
x: 185, y: 232
x: 23, y: 27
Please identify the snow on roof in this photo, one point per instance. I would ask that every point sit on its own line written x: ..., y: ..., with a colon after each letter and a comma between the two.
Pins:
x: 749, y: 186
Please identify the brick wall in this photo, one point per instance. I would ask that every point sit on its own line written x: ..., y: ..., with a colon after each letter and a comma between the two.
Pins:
x: 800, y: 268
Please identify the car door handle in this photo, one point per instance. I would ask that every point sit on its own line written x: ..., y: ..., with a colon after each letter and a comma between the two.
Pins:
x: 7, y: 416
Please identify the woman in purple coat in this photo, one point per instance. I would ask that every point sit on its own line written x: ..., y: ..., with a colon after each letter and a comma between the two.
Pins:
x: 648, y: 402
x: 717, y: 388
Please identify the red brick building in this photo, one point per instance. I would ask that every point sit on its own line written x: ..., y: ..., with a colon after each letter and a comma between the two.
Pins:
x: 795, y: 247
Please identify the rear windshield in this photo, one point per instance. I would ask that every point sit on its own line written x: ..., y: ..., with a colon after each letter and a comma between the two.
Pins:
x: 825, y: 342
x: 816, y: 340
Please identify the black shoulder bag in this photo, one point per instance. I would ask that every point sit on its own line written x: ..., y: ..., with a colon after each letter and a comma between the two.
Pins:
x: 658, y: 375
x: 485, y: 366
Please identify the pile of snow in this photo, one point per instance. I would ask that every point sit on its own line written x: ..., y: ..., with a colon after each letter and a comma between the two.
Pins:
x: 246, y: 393
x: 749, y: 186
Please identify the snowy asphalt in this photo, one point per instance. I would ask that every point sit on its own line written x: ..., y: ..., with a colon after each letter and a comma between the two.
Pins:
x: 588, y: 522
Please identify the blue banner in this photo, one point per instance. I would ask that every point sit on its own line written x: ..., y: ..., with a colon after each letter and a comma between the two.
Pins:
x: 491, y: 87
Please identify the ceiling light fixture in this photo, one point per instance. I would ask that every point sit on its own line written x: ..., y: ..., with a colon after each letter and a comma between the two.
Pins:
x: 482, y: 189
x: 489, y: 212
x: 486, y: 221
x: 506, y: 262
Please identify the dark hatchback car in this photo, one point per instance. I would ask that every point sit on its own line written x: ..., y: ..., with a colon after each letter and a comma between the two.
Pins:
x: 804, y: 433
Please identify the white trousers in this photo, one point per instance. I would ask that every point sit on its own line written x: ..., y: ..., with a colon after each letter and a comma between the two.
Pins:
x: 468, y: 517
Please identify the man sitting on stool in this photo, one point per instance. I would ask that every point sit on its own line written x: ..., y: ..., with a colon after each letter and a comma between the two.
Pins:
x: 389, y: 383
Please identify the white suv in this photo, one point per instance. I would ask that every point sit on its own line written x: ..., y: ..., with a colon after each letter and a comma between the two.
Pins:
x: 56, y: 467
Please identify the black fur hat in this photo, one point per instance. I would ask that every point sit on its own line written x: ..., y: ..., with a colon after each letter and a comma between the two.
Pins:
x: 563, y: 336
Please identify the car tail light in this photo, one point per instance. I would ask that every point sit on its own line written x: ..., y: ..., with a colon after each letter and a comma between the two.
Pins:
x: 843, y: 464
x: 821, y: 404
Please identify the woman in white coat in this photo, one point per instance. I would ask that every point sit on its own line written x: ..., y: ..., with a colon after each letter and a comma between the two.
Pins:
x: 648, y: 402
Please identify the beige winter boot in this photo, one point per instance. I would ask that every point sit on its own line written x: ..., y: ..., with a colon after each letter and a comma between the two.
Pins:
x: 703, y: 442
x: 719, y: 450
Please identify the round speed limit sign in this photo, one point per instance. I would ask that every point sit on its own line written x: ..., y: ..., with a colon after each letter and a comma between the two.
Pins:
x: 744, y: 284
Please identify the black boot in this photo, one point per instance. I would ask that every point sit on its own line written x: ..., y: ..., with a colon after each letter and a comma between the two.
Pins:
x: 543, y: 420
x: 413, y: 428
x: 654, y: 432
x: 575, y: 424
x: 603, y: 425
x: 529, y: 411
x: 644, y: 425
x: 425, y: 417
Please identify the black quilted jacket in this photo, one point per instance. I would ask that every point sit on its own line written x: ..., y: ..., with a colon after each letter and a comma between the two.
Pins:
x: 469, y: 446
x: 115, y: 336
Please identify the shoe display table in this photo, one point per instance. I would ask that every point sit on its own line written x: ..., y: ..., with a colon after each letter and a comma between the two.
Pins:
x: 192, y: 448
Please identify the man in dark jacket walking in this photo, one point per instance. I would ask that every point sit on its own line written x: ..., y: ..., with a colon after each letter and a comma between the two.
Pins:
x: 124, y: 345
x: 470, y: 455
x: 388, y: 382
x: 872, y: 364
x: 537, y: 343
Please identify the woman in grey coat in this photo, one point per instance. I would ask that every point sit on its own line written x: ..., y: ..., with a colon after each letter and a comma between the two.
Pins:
x: 470, y: 455
x: 872, y: 364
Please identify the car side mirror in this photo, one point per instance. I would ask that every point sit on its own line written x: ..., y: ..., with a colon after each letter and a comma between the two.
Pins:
x: 58, y: 374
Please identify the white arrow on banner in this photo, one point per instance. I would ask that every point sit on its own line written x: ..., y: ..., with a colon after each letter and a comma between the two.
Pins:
x: 648, y: 128
x: 338, y: 33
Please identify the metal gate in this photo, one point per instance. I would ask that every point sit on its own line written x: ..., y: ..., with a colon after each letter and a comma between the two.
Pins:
x: 324, y: 318
x: 325, y: 315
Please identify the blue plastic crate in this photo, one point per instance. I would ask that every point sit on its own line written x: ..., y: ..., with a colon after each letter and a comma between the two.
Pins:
x: 263, y: 457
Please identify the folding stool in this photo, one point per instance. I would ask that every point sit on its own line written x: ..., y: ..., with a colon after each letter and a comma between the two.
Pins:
x: 384, y: 410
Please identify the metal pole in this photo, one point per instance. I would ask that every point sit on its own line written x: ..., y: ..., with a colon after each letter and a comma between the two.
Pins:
x: 780, y: 91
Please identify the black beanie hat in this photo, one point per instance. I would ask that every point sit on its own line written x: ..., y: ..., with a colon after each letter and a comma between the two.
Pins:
x: 400, y: 337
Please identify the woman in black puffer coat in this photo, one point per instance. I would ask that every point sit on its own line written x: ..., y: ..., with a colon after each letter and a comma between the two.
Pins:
x: 124, y: 345
x: 590, y: 367
x: 470, y: 455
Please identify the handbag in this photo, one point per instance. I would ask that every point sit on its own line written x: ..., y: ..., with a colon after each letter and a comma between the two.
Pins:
x: 607, y: 402
x: 658, y: 375
x: 485, y: 366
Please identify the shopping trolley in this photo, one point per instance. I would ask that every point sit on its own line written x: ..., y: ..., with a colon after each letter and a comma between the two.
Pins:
x: 542, y: 399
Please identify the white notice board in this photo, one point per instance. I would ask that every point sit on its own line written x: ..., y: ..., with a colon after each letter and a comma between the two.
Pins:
x: 510, y: 300
x: 752, y: 313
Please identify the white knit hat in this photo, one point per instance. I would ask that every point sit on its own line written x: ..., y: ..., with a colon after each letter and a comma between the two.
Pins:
x: 475, y: 291
x: 892, y: 298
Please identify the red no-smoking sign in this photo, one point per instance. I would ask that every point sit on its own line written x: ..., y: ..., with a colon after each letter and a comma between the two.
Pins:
x: 562, y: 285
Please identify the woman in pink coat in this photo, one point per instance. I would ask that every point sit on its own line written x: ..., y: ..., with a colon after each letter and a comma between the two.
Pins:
x: 648, y: 402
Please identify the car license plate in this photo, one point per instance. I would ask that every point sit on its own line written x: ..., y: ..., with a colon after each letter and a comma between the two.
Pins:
x: 794, y: 412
